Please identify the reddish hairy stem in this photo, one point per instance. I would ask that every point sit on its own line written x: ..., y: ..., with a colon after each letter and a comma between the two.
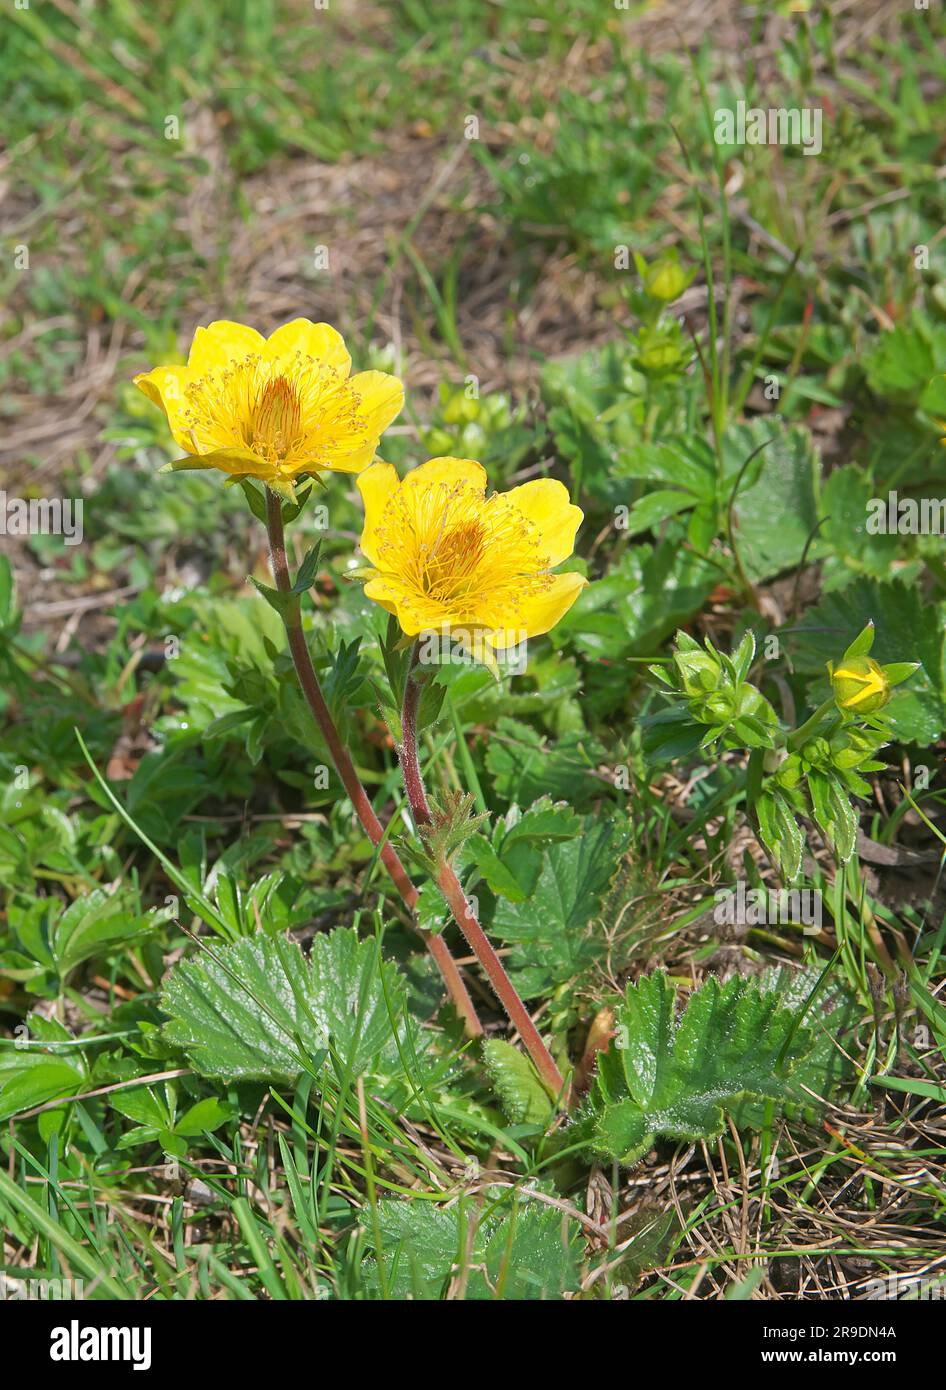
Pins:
x: 459, y: 905
x: 345, y: 768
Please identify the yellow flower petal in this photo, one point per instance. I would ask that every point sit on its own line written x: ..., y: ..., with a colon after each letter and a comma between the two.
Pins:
x: 221, y: 343
x: 448, y: 470
x: 319, y: 341
x: 541, y: 613
x: 380, y: 397
x: 376, y: 400
x: 380, y: 593
x: 165, y: 386
x: 377, y: 486
x: 545, y: 502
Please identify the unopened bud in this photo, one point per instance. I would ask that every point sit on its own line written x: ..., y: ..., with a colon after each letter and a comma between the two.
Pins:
x: 860, y: 685
x: 666, y: 279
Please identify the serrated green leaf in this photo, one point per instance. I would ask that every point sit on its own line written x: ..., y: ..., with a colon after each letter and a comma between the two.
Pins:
x: 829, y: 1017
x: 524, y: 767
x: 238, y: 1015
x: 681, y: 462
x: 480, y: 853
x: 549, y: 931
x: 676, y: 1079
x: 545, y: 820
x: 775, y: 509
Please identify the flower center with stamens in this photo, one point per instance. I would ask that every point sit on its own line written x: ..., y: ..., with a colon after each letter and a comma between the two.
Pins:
x: 461, y: 558
x: 276, y: 420
x: 451, y: 565
x: 292, y: 416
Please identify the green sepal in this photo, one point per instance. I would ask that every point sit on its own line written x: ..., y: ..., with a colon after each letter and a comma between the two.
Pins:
x: 899, y: 671
x: 861, y: 645
x: 190, y: 463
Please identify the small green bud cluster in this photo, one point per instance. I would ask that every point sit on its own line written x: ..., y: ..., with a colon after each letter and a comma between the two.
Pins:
x: 466, y: 422
x: 659, y: 345
x: 718, y: 695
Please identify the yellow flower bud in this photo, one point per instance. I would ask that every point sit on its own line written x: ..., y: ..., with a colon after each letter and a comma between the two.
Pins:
x: 860, y: 685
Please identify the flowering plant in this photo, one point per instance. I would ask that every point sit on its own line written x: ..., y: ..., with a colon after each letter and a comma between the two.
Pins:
x: 443, y: 555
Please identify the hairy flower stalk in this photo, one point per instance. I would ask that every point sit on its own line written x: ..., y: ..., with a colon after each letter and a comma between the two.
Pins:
x: 457, y: 901
x: 346, y: 769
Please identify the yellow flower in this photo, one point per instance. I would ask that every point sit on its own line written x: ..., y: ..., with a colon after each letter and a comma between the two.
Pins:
x: 447, y: 557
x: 273, y: 408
